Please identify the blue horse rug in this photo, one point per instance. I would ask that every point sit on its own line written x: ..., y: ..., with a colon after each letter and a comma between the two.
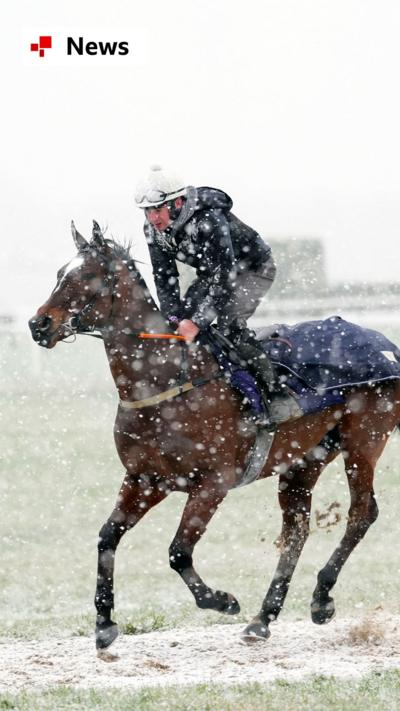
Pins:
x: 319, y: 361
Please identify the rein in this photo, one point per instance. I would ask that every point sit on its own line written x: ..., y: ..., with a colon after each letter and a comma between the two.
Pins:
x: 135, y: 334
x: 75, y: 327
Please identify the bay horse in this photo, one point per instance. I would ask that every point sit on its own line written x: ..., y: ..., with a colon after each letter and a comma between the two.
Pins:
x: 171, y: 436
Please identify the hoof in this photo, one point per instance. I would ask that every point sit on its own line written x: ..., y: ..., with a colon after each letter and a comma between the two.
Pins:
x: 228, y: 604
x: 106, y: 635
x: 321, y: 614
x: 219, y: 601
x: 256, y: 631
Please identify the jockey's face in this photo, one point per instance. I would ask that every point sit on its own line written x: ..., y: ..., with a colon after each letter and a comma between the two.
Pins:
x: 159, y: 216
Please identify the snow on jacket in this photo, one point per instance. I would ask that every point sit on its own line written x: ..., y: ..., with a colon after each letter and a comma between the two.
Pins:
x: 209, y: 237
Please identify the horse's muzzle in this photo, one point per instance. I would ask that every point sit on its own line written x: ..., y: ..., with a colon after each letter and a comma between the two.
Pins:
x: 40, y: 329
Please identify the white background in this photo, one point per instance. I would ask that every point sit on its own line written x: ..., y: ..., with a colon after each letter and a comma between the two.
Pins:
x: 291, y: 106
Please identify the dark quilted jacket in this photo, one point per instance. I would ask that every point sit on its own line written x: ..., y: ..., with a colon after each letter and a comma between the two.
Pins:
x: 209, y: 237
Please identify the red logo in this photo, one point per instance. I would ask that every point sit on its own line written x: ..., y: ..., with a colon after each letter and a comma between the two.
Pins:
x: 44, y: 43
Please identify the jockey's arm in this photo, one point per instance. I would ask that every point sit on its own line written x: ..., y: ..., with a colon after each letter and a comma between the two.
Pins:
x: 218, y: 267
x: 166, y: 279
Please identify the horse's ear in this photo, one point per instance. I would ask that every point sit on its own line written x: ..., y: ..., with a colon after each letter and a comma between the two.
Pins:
x: 80, y: 241
x: 97, y: 236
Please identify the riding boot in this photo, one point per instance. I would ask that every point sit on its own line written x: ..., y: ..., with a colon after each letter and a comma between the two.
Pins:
x: 280, y: 404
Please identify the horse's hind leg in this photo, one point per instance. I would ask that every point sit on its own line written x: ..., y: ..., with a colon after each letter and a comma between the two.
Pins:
x: 362, y: 513
x: 364, y: 437
x: 199, y: 509
x: 295, y: 494
x: 136, y: 497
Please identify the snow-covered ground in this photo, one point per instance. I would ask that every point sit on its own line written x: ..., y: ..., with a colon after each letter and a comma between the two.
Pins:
x: 196, y: 655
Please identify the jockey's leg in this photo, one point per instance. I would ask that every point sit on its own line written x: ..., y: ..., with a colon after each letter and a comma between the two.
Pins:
x: 280, y: 404
x: 252, y: 354
x: 251, y: 287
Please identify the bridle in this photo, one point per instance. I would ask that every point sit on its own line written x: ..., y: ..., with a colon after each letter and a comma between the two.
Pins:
x: 75, y: 326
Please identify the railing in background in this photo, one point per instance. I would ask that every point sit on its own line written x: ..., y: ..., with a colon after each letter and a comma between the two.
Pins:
x: 82, y: 367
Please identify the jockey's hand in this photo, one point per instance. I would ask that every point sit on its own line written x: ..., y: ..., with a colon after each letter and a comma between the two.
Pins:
x: 188, y: 330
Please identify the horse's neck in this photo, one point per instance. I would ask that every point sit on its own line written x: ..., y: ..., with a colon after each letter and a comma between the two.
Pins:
x: 134, y: 307
x: 141, y: 368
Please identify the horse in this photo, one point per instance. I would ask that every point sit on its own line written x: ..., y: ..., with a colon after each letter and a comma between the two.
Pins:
x: 181, y: 427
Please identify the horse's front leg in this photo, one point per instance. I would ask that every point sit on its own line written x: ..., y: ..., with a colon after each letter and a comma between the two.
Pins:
x: 199, y: 509
x: 137, y: 496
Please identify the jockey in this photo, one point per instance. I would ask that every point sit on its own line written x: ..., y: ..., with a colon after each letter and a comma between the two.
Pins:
x: 234, y: 267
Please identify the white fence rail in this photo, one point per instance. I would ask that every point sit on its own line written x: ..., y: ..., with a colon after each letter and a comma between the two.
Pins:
x: 82, y: 367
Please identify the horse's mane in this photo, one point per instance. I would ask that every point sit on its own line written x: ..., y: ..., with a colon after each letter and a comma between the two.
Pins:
x: 123, y: 251
x: 120, y: 250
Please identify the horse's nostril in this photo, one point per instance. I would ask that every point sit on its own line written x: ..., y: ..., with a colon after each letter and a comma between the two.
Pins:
x: 43, y: 324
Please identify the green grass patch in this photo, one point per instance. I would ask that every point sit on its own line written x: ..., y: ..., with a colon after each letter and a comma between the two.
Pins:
x: 378, y: 691
x: 151, y: 623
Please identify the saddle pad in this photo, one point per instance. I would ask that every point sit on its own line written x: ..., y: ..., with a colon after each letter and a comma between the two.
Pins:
x: 332, y: 354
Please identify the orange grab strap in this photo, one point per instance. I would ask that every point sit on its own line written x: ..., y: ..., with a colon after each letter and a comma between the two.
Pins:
x: 161, y: 335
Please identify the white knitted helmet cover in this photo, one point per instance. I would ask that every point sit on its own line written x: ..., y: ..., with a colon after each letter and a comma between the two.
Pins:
x: 157, y: 187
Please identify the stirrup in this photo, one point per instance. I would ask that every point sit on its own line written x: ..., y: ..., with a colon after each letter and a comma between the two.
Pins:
x: 263, y: 419
x: 264, y: 422
x: 284, y: 407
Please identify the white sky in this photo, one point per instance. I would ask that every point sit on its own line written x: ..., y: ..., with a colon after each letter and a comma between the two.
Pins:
x: 291, y: 106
